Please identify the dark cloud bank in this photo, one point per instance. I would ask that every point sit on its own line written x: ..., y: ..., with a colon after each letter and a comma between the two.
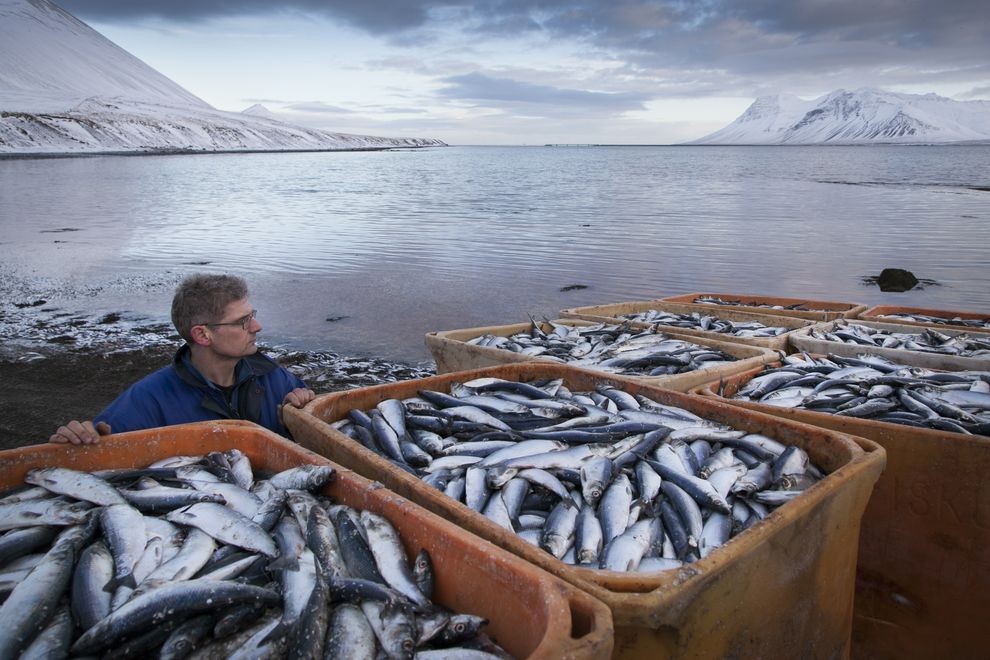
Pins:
x: 738, y: 46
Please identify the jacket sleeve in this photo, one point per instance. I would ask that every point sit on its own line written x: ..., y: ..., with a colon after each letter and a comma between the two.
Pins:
x: 133, y: 410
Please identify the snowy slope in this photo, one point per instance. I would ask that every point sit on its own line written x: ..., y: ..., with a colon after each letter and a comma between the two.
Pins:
x: 66, y: 88
x: 865, y: 116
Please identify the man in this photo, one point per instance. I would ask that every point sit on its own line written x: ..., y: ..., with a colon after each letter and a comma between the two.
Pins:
x: 217, y: 374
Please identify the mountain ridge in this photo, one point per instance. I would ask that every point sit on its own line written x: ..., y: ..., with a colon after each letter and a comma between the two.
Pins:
x: 65, y: 88
x: 862, y: 116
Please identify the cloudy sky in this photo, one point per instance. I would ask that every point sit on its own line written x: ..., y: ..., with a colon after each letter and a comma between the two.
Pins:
x: 538, y: 71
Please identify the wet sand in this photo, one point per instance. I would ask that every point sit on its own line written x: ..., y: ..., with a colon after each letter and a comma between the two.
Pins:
x: 39, y: 395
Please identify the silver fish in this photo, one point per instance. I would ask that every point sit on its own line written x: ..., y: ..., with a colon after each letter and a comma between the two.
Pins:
x: 55, y: 511
x: 613, y: 510
x: 80, y: 485
x: 558, y: 535
x: 54, y: 641
x: 588, y: 536
x: 125, y: 532
x: 625, y: 551
x: 303, y: 477
x: 34, y: 600
x: 226, y: 525
x: 390, y: 556
x: 350, y: 635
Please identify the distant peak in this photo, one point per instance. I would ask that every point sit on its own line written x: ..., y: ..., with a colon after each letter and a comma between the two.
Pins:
x: 862, y: 116
x: 259, y: 110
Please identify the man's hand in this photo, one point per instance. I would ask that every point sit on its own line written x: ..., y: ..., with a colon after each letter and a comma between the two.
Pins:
x: 80, y: 433
x: 297, y: 398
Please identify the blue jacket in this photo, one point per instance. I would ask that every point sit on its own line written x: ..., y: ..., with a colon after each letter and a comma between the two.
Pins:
x: 178, y: 394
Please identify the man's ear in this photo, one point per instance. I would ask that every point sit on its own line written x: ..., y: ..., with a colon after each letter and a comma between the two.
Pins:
x: 201, y: 335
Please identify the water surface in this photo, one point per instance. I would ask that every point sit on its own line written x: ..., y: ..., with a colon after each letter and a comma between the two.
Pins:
x: 363, y: 253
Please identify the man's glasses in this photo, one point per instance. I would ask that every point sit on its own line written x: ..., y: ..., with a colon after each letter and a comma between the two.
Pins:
x: 244, y: 321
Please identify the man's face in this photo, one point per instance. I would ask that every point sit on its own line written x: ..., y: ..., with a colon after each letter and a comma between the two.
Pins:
x: 235, y: 334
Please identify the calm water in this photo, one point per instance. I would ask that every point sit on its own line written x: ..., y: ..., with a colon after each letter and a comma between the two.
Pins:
x: 400, y: 243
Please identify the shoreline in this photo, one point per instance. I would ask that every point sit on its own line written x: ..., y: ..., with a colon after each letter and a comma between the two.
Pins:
x: 57, y: 386
x: 197, y: 152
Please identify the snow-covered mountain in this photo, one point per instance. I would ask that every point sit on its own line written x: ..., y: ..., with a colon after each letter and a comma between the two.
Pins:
x: 66, y: 88
x: 864, y: 116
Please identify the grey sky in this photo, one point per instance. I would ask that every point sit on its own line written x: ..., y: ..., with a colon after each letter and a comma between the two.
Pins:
x: 743, y: 37
x: 651, y: 50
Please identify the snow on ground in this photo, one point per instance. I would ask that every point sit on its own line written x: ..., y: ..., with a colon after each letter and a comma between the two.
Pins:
x: 66, y: 88
x: 864, y: 116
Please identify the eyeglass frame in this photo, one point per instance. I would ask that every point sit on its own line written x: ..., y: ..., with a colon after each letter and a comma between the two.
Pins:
x: 244, y: 321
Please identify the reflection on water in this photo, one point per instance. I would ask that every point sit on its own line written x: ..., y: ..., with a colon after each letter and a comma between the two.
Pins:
x: 401, y: 243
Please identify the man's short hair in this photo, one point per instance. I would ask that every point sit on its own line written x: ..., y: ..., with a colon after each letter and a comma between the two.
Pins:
x: 202, y: 298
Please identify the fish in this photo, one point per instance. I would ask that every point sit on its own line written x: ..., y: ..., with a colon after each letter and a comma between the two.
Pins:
x: 205, y: 589
x: 876, y: 388
x: 638, y: 460
x: 19, y: 542
x: 423, y: 574
x: 166, y: 498
x: 588, y: 536
x: 189, y: 597
x: 225, y: 525
x: 558, y: 534
x: 49, y: 511
x: 394, y: 627
x: 390, y: 557
x: 126, y: 535
x: 32, y: 603
x: 80, y: 485
x: 307, y: 638
x: 613, y: 510
x: 706, y: 322
x: 717, y: 530
x: 233, y: 496
x: 616, y: 348
x: 186, y: 637
x: 196, y: 550
x: 716, y: 300
x: 977, y: 323
x: 54, y: 640
x: 927, y: 340
x: 350, y: 635
x: 303, y: 477
x: 625, y: 552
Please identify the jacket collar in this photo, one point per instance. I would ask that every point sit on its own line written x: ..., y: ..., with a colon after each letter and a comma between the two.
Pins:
x: 256, y: 364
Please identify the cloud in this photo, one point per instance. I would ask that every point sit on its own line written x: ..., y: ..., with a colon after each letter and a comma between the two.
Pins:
x: 508, y: 93
x: 807, y: 45
x: 398, y: 110
x: 316, y: 106
x: 976, y: 93
x: 374, y: 16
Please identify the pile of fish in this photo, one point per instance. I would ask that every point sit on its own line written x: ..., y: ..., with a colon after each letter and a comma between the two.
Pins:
x: 196, y: 557
x: 938, y: 320
x: 601, y: 479
x: 696, y: 321
x: 714, y: 300
x: 873, y: 387
x: 612, y: 348
x: 926, y: 341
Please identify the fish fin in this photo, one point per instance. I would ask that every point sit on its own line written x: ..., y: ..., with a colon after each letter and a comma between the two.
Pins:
x: 124, y: 581
x: 284, y: 563
x: 280, y: 630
